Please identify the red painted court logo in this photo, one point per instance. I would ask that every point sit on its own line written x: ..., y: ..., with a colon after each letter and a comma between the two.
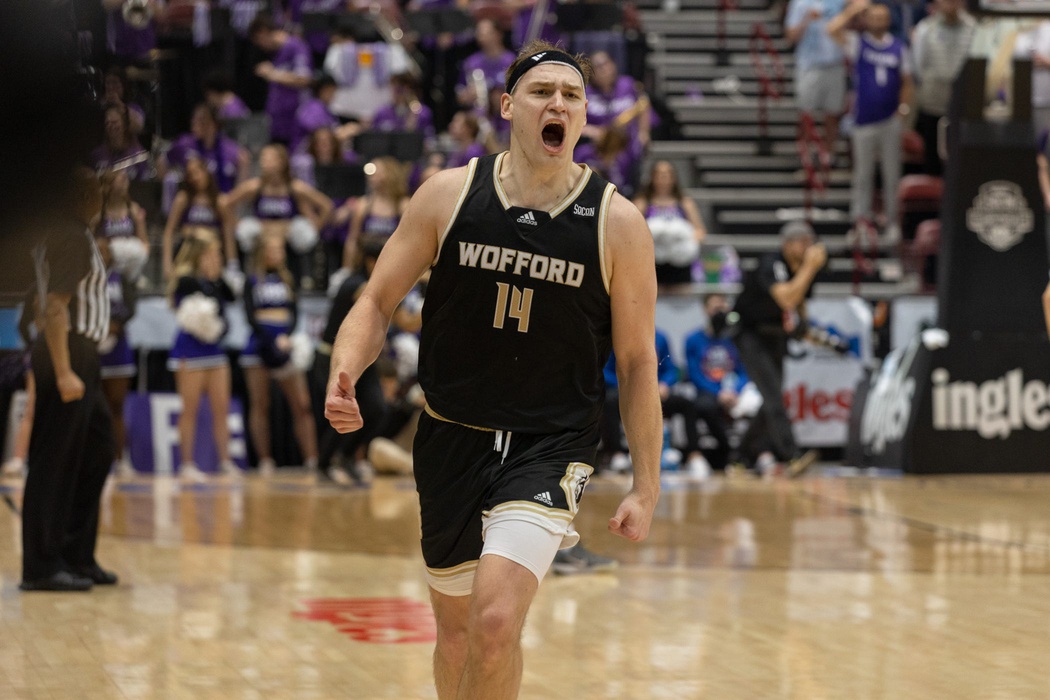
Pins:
x: 375, y: 620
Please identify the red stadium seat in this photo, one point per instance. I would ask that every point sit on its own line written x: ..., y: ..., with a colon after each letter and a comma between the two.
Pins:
x: 919, y: 199
x: 913, y: 148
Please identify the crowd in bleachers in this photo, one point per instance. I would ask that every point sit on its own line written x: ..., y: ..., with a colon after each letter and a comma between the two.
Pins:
x: 253, y: 151
x: 284, y: 139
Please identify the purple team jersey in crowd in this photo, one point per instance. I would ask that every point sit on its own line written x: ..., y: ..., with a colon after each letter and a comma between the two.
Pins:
x: 389, y: 119
x: 221, y: 159
x: 878, y: 70
x: 311, y: 116
x: 282, y: 101
x: 127, y: 42
x: 495, y: 69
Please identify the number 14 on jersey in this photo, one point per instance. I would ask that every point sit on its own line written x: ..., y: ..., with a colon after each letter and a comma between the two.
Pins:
x: 513, y: 302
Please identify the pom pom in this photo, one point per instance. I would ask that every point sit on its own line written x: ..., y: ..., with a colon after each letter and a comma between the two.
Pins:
x: 248, y: 231
x: 674, y: 240
x: 198, y: 315
x: 302, y: 235
x: 302, y: 351
x: 129, y: 255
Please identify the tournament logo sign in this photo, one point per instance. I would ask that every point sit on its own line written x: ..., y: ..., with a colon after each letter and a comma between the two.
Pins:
x: 1000, y: 215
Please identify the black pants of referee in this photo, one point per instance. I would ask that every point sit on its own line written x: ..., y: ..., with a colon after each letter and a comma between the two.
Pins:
x: 770, y: 429
x: 70, y: 454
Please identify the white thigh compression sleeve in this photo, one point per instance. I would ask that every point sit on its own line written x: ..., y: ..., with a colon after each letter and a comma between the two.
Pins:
x: 525, y: 542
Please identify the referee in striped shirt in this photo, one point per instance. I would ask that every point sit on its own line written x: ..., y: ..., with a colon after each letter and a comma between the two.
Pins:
x: 71, y: 448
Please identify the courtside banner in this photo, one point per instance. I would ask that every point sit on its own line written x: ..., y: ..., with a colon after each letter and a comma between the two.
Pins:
x: 976, y: 405
x: 152, y: 422
x: 819, y: 382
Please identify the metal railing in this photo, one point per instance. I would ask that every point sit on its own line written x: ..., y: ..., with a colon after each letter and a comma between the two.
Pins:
x: 769, y: 70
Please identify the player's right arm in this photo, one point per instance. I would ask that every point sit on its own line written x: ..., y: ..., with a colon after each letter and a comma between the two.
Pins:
x: 405, y: 257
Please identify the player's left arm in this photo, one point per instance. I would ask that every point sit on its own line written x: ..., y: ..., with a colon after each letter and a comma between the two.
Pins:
x: 632, y: 291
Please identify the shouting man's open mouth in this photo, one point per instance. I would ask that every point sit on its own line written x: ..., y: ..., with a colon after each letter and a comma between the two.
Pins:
x: 553, y: 136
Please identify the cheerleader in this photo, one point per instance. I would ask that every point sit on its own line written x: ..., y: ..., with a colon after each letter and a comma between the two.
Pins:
x: 377, y: 214
x: 281, y: 205
x: 116, y: 358
x: 675, y: 223
x: 271, y: 309
x: 201, y: 367
x: 197, y: 211
x: 122, y: 224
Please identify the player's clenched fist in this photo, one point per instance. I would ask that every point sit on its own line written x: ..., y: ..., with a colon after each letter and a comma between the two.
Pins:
x: 340, y: 406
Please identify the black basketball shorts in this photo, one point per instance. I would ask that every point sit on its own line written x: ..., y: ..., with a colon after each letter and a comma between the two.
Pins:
x: 468, y: 477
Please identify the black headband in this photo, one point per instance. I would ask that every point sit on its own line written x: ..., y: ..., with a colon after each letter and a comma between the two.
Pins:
x: 549, y: 56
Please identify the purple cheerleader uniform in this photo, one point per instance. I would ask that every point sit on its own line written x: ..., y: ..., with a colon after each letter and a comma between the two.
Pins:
x: 379, y: 227
x: 188, y: 351
x: 266, y: 291
x: 120, y: 227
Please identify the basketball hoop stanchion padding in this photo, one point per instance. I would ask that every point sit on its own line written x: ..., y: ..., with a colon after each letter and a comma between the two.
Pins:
x: 974, y: 397
x: 769, y: 86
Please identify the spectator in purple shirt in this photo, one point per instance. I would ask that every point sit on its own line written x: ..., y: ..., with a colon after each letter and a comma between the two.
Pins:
x: 126, y: 42
x: 314, y: 113
x: 464, y: 131
x: 120, y: 150
x: 219, y: 94
x: 288, y: 74
x: 406, y: 112
x: 615, y: 100
x: 489, y: 65
x: 226, y: 160
x: 614, y: 156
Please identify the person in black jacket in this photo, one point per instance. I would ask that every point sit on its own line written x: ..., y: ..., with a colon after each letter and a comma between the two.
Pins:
x: 770, y: 309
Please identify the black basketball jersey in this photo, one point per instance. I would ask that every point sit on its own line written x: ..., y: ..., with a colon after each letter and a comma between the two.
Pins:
x: 516, y: 322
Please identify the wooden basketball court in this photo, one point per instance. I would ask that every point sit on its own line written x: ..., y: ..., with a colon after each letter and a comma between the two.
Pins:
x: 820, y: 589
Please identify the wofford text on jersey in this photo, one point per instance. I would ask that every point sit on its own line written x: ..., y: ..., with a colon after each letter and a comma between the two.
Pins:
x: 540, y: 267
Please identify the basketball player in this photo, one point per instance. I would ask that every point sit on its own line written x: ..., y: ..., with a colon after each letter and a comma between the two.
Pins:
x: 538, y: 269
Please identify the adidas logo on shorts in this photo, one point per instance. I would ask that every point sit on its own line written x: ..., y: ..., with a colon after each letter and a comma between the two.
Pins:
x: 544, y: 497
x: 528, y: 218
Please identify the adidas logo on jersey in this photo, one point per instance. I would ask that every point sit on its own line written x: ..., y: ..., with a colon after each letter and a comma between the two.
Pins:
x: 528, y: 218
x: 544, y: 497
